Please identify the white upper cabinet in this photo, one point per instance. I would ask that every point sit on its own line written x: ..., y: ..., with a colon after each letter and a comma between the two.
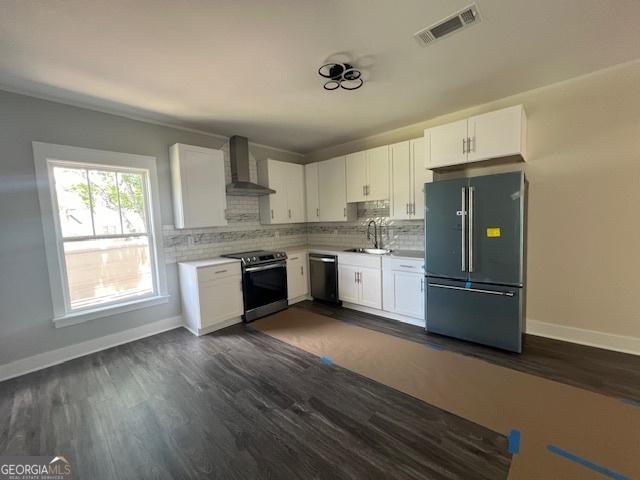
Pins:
x: 295, y: 193
x: 448, y: 144
x: 401, y: 187
x: 332, y: 191
x: 378, y: 173
x: 497, y: 134
x: 420, y: 176
x: 199, y: 186
x: 356, y: 177
x: 312, y: 192
x: 408, y: 177
x: 287, y: 205
x: 368, y: 175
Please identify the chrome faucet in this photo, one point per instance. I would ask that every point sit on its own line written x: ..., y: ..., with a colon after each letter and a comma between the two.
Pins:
x: 375, y: 233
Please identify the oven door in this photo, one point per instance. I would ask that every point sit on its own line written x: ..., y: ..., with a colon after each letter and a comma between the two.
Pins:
x: 265, y: 289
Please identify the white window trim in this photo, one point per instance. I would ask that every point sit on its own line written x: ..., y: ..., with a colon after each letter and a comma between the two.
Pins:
x: 44, y: 154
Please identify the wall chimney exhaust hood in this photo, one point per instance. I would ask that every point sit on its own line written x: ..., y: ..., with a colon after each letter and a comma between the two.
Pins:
x: 240, y: 181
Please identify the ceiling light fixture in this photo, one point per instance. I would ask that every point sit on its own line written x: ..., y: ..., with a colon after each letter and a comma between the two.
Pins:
x: 340, y: 75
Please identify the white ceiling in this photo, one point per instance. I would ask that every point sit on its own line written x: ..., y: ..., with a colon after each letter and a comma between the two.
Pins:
x: 249, y: 67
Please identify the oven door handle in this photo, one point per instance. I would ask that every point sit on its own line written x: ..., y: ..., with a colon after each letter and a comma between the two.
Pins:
x: 266, y: 267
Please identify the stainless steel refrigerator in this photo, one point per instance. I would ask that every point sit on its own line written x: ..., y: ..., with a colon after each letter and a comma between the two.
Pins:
x: 474, y: 259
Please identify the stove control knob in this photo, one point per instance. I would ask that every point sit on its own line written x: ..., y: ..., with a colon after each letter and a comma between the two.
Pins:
x: 253, y: 259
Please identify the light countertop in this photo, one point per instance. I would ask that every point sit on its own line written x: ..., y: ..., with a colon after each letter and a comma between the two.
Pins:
x: 210, y: 262
x: 334, y: 250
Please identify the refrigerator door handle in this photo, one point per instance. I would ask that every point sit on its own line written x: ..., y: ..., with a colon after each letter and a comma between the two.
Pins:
x: 470, y: 223
x: 476, y: 290
x: 463, y: 245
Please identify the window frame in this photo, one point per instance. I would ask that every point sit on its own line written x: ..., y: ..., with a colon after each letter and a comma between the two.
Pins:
x: 46, y: 157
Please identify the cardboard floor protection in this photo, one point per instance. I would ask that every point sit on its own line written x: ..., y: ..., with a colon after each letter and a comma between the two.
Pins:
x: 565, y: 432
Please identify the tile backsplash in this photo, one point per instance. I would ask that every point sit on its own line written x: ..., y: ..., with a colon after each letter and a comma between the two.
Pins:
x: 396, y: 234
x: 244, y: 231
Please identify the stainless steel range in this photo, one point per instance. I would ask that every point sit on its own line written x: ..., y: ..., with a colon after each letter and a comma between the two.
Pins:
x: 264, y: 282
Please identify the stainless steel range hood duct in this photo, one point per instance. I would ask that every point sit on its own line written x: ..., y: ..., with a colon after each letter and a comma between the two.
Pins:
x: 240, y: 180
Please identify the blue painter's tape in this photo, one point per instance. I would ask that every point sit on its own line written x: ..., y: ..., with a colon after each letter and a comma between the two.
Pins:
x: 514, y: 441
x: 326, y: 360
x: 586, y: 463
x: 628, y: 401
x: 467, y: 285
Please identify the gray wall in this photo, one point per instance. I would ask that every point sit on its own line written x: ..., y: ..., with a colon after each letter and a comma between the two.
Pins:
x: 25, y: 302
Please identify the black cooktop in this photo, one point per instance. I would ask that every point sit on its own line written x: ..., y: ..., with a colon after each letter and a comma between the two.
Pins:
x: 257, y: 256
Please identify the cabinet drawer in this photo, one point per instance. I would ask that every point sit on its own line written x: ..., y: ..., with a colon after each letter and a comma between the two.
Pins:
x: 403, y: 264
x: 359, y: 260
x: 218, y: 271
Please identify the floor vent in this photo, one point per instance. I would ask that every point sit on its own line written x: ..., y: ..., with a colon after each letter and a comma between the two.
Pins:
x: 464, y: 18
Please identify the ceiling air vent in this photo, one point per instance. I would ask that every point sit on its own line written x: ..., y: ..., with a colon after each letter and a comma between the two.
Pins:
x: 464, y: 18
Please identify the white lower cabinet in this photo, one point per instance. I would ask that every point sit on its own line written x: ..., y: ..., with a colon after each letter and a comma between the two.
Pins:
x: 348, y: 288
x: 403, y: 287
x: 360, y: 280
x: 297, y: 276
x: 211, y: 294
x: 370, y: 282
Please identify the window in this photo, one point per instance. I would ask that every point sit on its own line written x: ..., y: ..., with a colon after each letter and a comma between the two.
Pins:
x: 99, y: 222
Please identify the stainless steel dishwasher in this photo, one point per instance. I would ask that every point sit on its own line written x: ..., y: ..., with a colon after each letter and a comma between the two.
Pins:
x: 323, y: 270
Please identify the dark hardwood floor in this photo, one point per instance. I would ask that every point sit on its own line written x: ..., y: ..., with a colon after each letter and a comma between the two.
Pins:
x: 240, y: 404
x: 603, y: 371
x: 234, y: 404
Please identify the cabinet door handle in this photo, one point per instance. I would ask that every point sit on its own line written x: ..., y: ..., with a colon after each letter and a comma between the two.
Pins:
x: 344, y: 212
x: 355, y: 277
x: 293, y: 258
x: 289, y: 213
x: 464, y: 145
x: 272, y: 214
x: 413, y: 209
x: 422, y: 284
x: 220, y: 271
x: 318, y: 212
x: 301, y: 270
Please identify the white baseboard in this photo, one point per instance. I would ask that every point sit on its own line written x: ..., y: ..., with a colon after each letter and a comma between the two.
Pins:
x: 54, y: 357
x: 299, y: 299
x: 212, y: 328
x: 592, y: 338
x: 383, y: 313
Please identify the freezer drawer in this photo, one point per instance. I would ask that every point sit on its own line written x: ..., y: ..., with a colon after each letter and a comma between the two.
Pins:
x: 486, y: 314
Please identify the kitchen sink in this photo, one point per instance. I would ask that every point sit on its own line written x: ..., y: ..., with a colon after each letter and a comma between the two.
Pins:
x: 372, y: 251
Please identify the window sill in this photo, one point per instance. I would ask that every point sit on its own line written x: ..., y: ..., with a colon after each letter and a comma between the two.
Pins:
x: 107, y: 311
